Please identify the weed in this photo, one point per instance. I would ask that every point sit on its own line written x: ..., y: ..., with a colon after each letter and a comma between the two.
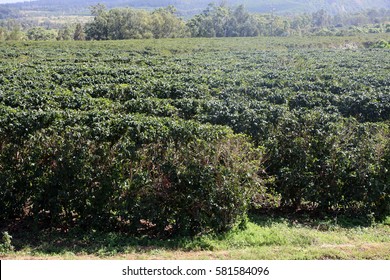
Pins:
x: 6, y: 243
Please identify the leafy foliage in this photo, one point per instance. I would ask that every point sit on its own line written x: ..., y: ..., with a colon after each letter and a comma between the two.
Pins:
x: 184, y: 137
x: 119, y: 24
x: 330, y: 163
x: 223, y: 20
x: 6, y: 243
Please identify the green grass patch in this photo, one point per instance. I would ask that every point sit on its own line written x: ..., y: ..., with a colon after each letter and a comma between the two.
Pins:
x: 263, y: 238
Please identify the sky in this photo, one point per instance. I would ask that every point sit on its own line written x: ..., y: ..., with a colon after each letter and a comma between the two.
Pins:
x: 11, y: 1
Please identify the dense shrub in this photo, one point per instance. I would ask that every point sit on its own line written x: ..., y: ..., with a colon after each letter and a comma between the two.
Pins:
x: 202, y: 185
x: 135, y: 173
x: 328, y: 165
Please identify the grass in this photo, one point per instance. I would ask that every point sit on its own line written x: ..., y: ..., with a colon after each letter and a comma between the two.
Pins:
x: 264, y: 238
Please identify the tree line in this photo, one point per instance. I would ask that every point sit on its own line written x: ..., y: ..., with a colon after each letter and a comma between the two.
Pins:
x: 215, y: 21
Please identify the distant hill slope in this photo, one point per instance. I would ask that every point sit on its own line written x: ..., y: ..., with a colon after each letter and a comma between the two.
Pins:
x: 191, y: 7
x: 332, y: 6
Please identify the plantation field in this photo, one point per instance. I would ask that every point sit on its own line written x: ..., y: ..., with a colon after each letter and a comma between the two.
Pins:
x: 170, y: 138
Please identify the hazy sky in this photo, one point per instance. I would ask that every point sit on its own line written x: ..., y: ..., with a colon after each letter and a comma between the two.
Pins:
x: 11, y: 1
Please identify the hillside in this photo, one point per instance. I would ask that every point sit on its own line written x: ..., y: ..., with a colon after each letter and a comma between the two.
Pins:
x: 191, y: 7
x: 332, y: 6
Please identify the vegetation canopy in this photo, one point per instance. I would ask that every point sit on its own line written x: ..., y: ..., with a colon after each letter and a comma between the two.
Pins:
x: 154, y: 20
x: 183, y: 137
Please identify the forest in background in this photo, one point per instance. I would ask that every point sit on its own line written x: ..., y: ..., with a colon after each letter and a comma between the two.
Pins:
x: 220, y: 20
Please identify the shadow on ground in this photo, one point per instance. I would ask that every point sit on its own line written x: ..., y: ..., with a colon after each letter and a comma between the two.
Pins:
x: 94, y: 242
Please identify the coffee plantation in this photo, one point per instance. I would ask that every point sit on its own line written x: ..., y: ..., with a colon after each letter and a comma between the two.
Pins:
x: 185, y: 136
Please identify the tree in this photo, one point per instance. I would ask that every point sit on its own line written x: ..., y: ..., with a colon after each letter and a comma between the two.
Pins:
x: 40, y: 34
x: 165, y: 24
x: 79, y: 34
x: 98, y: 28
x: 36, y: 34
x: 98, y: 9
x: 321, y: 18
x: 16, y: 33
x: 64, y: 34
x: 3, y: 34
